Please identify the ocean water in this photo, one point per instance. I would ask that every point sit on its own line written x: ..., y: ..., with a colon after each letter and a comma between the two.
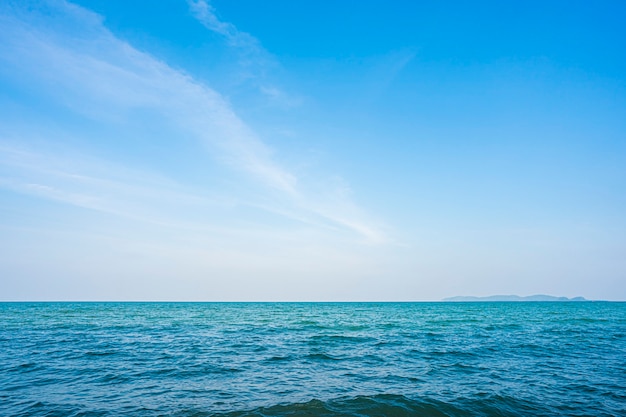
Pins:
x: 313, y: 359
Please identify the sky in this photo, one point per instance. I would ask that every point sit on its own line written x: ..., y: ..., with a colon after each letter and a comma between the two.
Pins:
x: 312, y: 150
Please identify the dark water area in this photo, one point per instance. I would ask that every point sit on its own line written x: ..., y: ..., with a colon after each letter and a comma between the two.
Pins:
x: 313, y: 359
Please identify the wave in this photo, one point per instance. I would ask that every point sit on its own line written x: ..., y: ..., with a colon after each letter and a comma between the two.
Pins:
x: 389, y: 405
x: 382, y: 405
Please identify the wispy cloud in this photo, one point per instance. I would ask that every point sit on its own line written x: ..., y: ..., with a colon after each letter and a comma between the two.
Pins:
x: 206, y: 14
x: 279, y: 97
x: 83, y: 181
x: 85, y: 68
x: 255, y: 62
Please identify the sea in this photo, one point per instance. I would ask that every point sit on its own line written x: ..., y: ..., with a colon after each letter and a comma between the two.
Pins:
x: 313, y: 359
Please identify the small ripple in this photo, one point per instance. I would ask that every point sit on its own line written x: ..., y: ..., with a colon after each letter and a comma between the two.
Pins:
x: 278, y: 358
x: 321, y: 357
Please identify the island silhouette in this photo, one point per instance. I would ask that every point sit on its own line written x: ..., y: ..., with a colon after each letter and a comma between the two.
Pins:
x: 538, y: 297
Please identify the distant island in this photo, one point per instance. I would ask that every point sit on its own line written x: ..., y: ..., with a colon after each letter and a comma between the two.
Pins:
x: 539, y: 297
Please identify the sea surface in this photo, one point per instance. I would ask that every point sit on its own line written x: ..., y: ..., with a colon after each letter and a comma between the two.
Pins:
x: 313, y: 359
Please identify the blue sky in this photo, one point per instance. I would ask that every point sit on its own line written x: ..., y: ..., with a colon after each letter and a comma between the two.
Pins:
x: 245, y: 150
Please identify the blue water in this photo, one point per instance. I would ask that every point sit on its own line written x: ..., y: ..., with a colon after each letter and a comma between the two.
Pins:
x: 313, y: 359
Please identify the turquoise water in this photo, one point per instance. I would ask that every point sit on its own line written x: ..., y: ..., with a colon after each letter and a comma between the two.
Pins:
x: 313, y: 359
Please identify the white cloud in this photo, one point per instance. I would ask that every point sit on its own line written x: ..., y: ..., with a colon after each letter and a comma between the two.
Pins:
x: 205, y: 13
x: 280, y: 97
x: 86, y: 68
x: 255, y: 61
